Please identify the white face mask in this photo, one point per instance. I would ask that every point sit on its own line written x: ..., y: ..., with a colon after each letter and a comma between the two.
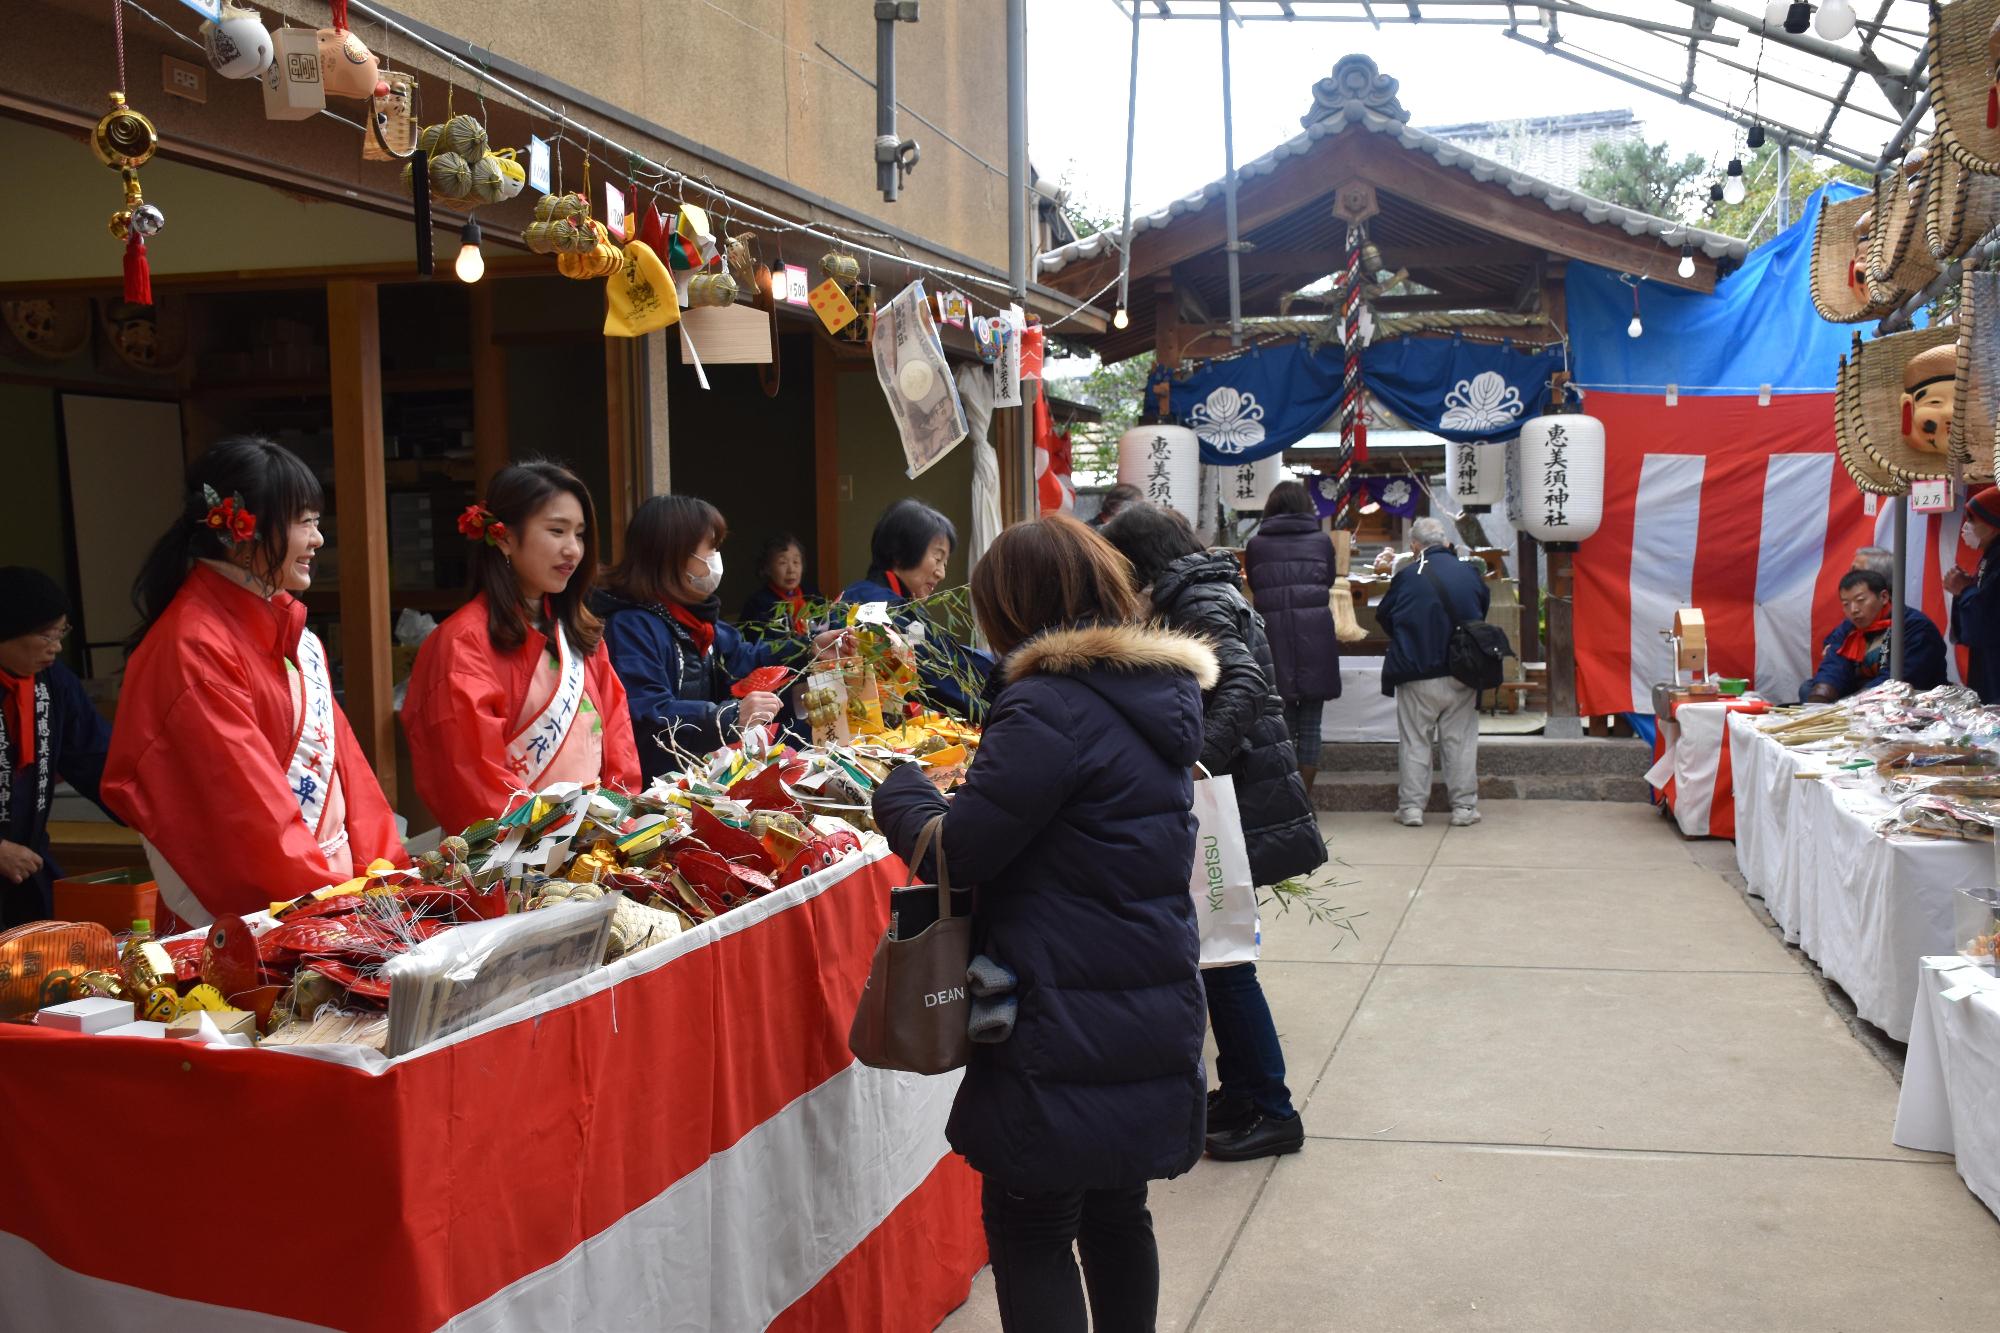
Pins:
x: 704, y: 584
x: 1970, y: 536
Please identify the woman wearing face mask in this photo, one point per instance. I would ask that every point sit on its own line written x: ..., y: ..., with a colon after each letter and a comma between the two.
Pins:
x: 512, y: 693
x: 906, y: 564
x: 676, y: 655
x: 230, y: 756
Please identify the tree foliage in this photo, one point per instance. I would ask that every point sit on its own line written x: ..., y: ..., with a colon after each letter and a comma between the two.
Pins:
x: 1646, y: 176
x: 1760, y: 190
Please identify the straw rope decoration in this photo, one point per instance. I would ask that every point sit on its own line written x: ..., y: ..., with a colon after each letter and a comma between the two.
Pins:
x: 1961, y: 83
x: 1834, y: 257
x: 1352, y: 428
x: 1875, y: 390
x: 1975, y: 403
x: 1867, y: 474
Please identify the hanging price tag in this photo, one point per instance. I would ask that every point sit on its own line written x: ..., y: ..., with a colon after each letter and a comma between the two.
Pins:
x: 798, y: 289
x: 614, y: 210
x: 1931, y: 497
x: 538, y: 164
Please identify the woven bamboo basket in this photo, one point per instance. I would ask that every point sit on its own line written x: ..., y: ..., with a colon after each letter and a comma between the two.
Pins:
x: 1960, y: 206
x: 1875, y: 403
x: 1835, y: 294
x: 1961, y: 71
x: 1868, y: 474
x: 1975, y: 404
x: 1899, y: 208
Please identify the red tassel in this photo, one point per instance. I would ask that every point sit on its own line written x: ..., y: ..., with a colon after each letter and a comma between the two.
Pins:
x: 1909, y: 416
x: 1993, y: 106
x: 1361, y: 440
x: 138, y: 273
x: 338, y: 14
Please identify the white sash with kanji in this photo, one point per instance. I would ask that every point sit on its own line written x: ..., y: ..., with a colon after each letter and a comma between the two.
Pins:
x: 314, y: 775
x: 531, y: 752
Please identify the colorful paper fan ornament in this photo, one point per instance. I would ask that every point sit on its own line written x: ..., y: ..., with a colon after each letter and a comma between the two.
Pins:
x: 640, y: 297
x: 693, y: 242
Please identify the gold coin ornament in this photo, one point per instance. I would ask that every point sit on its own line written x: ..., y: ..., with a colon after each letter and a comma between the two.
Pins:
x: 125, y: 140
x: 843, y: 269
x: 711, y: 289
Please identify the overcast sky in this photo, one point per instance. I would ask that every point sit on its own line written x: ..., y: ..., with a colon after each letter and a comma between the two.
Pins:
x: 1078, y: 53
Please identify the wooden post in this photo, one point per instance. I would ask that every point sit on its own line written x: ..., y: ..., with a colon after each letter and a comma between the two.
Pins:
x: 1166, y: 334
x: 1563, y: 720
x: 826, y: 467
x: 622, y: 423
x: 656, y: 470
x: 1530, y: 585
x: 361, y: 503
x: 489, y: 392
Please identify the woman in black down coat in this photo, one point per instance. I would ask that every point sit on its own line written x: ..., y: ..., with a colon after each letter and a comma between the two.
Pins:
x: 1290, y: 567
x: 1196, y: 591
x: 1074, y: 824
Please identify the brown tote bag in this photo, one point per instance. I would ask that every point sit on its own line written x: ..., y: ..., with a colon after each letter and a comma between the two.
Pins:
x: 914, y: 1010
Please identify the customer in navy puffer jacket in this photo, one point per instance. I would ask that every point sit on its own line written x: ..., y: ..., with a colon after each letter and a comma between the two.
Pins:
x: 1074, y: 824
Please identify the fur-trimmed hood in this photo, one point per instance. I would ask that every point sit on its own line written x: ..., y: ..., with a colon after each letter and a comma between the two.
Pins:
x: 1129, y: 648
x: 1152, y: 677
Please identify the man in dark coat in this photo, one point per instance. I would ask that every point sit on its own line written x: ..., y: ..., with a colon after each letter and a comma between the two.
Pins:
x: 1289, y: 564
x: 1975, y: 607
x: 1414, y: 616
x: 1856, y: 652
x: 49, y: 730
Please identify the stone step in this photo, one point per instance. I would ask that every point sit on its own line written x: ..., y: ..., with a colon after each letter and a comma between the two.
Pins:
x: 1507, y: 756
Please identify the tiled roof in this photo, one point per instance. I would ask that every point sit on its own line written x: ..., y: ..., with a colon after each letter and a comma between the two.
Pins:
x: 1557, y: 197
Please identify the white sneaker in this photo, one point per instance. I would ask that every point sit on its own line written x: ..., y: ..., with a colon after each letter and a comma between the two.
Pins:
x: 1464, y: 817
x: 1410, y: 818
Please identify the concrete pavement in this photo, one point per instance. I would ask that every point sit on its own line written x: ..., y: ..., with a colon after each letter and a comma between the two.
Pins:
x: 1560, y: 1077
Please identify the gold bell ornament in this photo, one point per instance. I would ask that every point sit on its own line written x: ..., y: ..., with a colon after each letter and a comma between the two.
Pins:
x: 711, y: 289
x: 124, y: 140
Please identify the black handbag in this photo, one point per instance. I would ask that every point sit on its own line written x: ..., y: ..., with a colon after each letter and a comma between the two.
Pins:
x: 1476, y: 657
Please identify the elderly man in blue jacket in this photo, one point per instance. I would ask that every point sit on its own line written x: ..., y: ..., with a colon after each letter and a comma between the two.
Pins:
x: 1856, y: 652
x: 1429, y: 702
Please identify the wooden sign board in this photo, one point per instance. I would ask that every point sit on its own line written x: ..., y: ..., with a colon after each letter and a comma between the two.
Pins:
x: 728, y: 335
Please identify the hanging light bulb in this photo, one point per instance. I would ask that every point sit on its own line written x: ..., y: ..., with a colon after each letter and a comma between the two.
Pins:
x: 1798, y: 18
x: 1732, y: 184
x: 1635, y: 328
x: 1120, y: 319
x: 470, y: 264
x: 1835, y: 21
x: 1686, y: 267
x: 1756, y: 139
x: 1775, y: 12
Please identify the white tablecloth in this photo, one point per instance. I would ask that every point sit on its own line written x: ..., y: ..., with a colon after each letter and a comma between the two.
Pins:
x: 1362, y: 712
x: 1690, y: 774
x: 1951, y: 1079
x: 1864, y: 907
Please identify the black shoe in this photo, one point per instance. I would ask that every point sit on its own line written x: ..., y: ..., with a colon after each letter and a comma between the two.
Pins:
x: 1265, y: 1137
x: 1229, y: 1115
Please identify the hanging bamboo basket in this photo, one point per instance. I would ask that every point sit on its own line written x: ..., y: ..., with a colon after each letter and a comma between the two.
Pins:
x: 1840, y: 290
x: 1961, y: 82
x: 1899, y: 207
x: 1975, y: 404
x: 1960, y: 206
x: 1868, y: 474
x: 1875, y: 403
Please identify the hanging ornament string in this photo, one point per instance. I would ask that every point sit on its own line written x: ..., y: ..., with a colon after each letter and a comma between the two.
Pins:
x: 118, y: 40
x: 338, y: 10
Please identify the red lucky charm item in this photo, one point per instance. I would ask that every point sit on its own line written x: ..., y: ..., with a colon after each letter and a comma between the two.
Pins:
x: 735, y: 845
x: 818, y: 854
x: 229, y: 957
x: 721, y: 881
x: 765, y: 790
x: 764, y: 680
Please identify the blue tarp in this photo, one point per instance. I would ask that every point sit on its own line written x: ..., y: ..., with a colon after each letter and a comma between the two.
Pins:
x: 1759, y: 327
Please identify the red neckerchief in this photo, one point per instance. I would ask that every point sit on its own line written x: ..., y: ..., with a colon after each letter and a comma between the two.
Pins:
x: 796, y: 599
x: 702, y: 630
x: 1855, y: 646
x: 20, y: 702
x: 895, y: 584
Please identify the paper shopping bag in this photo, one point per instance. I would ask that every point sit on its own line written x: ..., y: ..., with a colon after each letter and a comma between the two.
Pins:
x: 1225, y: 899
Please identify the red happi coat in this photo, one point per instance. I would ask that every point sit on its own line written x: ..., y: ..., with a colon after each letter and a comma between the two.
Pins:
x: 206, y: 728
x: 467, y: 700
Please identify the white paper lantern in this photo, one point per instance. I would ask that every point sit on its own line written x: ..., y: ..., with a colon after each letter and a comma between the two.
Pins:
x: 1476, y: 475
x: 1559, y: 464
x: 1164, y: 462
x: 1246, y: 486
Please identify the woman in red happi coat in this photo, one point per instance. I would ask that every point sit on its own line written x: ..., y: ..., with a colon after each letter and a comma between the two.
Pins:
x: 513, y: 693
x: 230, y: 755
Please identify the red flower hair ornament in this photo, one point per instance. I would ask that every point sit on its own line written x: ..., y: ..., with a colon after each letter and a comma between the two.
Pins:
x: 477, y: 524
x: 228, y: 518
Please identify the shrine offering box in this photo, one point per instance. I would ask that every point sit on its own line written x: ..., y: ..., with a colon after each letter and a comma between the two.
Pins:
x: 113, y: 899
